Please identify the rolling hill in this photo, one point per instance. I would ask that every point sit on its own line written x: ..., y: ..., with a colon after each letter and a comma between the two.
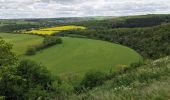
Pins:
x: 75, y: 55
x: 21, y: 41
x: 78, y: 55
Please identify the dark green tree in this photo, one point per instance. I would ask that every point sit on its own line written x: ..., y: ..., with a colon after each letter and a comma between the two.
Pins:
x: 6, y: 56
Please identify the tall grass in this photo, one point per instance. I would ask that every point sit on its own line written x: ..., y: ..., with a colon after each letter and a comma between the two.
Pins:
x: 148, y: 82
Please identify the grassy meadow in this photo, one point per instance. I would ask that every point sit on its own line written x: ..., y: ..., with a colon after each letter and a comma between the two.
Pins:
x: 76, y: 55
x: 21, y: 41
x: 52, y: 30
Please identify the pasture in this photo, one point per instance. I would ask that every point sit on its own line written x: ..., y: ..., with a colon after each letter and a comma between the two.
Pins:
x: 21, y: 41
x: 74, y: 55
x: 78, y: 56
x: 52, y: 30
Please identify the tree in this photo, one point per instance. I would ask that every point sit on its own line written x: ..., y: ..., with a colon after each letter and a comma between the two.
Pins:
x: 6, y: 56
x: 34, y: 73
x: 51, y: 40
x: 19, y: 80
x: 11, y: 85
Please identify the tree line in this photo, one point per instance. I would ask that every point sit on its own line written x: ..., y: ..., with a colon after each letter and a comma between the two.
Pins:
x: 47, y: 42
x: 151, y: 42
x: 126, y: 22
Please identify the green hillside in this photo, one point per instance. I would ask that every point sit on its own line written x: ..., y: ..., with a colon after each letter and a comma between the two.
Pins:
x: 123, y: 58
x: 21, y: 41
x: 76, y: 55
x: 147, y: 82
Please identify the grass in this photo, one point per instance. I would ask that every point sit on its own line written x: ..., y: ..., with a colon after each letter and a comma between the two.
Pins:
x: 76, y: 55
x: 147, y: 82
x: 21, y: 41
x: 50, y: 31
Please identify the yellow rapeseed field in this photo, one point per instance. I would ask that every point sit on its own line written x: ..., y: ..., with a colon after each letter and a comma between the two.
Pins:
x: 50, y: 31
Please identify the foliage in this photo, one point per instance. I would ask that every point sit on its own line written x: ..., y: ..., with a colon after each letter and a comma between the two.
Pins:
x: 37, y: 93
x: 150, y: 81
x: 17, y: 27
x: 34, y: 74
x: 126, y: 22
x: 90, y: 80
x: 31, y: 51
x: 50, y: 41
x: 47, y: 42
x: 12, y: 86
x: 28, y: 80
x: 6, y: 56
x: 24, y: 80
x: 21, y: 80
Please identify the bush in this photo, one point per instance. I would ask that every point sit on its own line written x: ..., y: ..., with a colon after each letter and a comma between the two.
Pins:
x: 37, y: 93
x: 137, y: 64
x: 48, y: 41
x: 6, y: 55
x: 31, y: 51
x: 12, y: 86
x: 35, y: 74
x: 22, y: 80
x: 90, y: 80
x: 123, y: 80
x: 51, y: 40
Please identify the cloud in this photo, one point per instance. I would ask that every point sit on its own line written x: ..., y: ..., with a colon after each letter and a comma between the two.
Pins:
x: 70, y: 8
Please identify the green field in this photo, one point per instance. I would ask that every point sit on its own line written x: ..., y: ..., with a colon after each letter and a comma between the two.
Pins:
x: 21, y: 41
x: 78, y: 55
x: 75, y: 55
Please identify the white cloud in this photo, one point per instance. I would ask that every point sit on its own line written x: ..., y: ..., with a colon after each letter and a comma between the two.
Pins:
x: 66, y: 8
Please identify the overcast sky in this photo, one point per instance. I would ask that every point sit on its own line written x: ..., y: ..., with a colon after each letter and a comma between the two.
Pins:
x: 80, y: 8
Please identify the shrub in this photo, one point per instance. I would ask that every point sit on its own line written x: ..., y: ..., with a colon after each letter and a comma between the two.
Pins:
x: 12, y: 86
x: 31, y: 51
x: 51, y: 40
x: 90, y: 80
x: 48, y: 41
x: 65, y: 88
x: 37, y: 93
x: 22, y: 80
x: 123, y: 80
x: 35, y: 74
x: 6, y: 55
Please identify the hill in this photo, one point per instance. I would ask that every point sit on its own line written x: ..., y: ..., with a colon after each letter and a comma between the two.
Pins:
x: 21, y: 41
x: 146, y: 82
x: 116, y: 71
x: 76, y: 55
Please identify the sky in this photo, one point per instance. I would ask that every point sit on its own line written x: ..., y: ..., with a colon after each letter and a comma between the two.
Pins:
x: 80, y: 8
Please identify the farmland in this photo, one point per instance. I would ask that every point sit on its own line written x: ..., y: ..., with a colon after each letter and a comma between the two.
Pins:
x: 50, y: 31
x: 75, y: 55
x: 21, y: 41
